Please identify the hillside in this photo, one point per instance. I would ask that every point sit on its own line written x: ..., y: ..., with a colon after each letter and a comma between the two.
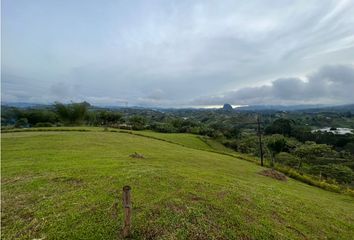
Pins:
x: 67, y: 185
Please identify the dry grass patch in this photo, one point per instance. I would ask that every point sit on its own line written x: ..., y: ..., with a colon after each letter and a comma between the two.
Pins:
x: 274, y: 174
x: 137, y: 155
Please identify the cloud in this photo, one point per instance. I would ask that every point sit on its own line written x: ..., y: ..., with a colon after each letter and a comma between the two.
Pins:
x: 331, y: 84
x: 64, y: 91
x: 166, y: 53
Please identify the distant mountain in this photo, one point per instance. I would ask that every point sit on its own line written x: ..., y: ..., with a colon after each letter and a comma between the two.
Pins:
x: 24, y: 105
x: 311, y: 108
x: 339, y: 108
x: 227, y: 107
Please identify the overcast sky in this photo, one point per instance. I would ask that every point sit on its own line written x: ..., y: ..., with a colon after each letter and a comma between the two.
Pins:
x: 178, y: 53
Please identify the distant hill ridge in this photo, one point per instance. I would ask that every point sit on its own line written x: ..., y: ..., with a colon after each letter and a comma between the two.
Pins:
x: 226, y: 107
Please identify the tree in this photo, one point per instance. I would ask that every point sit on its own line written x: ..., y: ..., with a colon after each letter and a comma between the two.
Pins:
x: 73, y: 113
x: 35, y: 116
x: 310, y: 150
x: 137, y: 122
x: 22, y: 122
x: 350, y: 147
x: 275, y: 145
x: 248, y: 144
x: 288, y: 159
x: 234, y: 132
x: 280, y: 126
x: 109, y: 117
x: 163, y: 127
x: 340, y: 173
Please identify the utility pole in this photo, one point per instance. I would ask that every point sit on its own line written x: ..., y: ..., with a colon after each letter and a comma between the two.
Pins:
x: 260, y: 138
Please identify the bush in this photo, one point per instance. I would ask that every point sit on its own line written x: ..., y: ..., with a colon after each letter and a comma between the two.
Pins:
x: 350, y: 147
x: 195, y: 130
x: 6, y: 128
x: 280, y: 126
x: 164, y: 128
x: 137, y: 122
x: 21, y: 123
x: 35, y: 116
x: 233, y: 144
x: 234, y: 132
x: 73, y: 113
x: 107, y: 118
x: 248, y: 144
x: 340, y: 173
x: 287, y: 159
x: 275, y: 145
x: 308, y: 179
x: 44, y: 124
x: 207, y: 131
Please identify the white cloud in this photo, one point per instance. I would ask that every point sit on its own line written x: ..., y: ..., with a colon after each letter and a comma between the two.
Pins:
x: 329, y: 85
x: 184, y: 50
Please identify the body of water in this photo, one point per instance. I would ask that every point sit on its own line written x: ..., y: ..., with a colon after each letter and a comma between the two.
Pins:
x: 340, y: 131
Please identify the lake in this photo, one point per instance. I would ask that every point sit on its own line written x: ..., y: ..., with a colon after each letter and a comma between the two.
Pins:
x: 340, y: 131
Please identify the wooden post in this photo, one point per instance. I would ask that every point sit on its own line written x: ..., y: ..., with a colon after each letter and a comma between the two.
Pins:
x: 127, y: 211
x: 260, y: 139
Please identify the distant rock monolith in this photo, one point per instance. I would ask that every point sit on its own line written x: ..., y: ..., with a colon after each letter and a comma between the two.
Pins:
x: 227, y: 107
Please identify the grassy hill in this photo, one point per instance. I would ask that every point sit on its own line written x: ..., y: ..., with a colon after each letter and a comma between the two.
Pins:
x: 67, y: 185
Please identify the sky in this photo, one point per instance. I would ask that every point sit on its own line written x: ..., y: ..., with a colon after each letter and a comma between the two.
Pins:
x: 178, y: 53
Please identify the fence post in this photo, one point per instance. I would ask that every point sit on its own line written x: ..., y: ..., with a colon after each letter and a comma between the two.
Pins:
x: 127, y: 211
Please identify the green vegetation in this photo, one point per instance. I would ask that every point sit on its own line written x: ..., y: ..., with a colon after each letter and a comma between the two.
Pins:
x: 71, y: 114
x: 275, y: 145
x: 183, y: 139
x: 67, y: 185
x: 289, y: 140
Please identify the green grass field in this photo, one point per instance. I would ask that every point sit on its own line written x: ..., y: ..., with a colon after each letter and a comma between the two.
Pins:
x: 67, y: 185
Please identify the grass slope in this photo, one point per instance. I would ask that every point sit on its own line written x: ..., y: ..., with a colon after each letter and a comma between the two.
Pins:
x: 67, y: 185
x: 183, y: 139
x: 192, y: 141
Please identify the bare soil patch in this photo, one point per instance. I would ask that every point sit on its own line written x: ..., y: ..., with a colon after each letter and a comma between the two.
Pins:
x: 274, y: 174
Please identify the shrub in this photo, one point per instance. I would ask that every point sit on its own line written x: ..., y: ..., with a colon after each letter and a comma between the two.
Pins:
x: 73, y: 113
x: 35, y: 116
x: 287, y: 159
x: 137, y: 122
x: 164, y: 128
x: 22, y: 122
x: 308, y: 179
x: 275, y: 145
x: 233, y: 144
x: 44, y: 124
x: 280, y: 126
x: 340, y: 173
x: 310, y: 151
